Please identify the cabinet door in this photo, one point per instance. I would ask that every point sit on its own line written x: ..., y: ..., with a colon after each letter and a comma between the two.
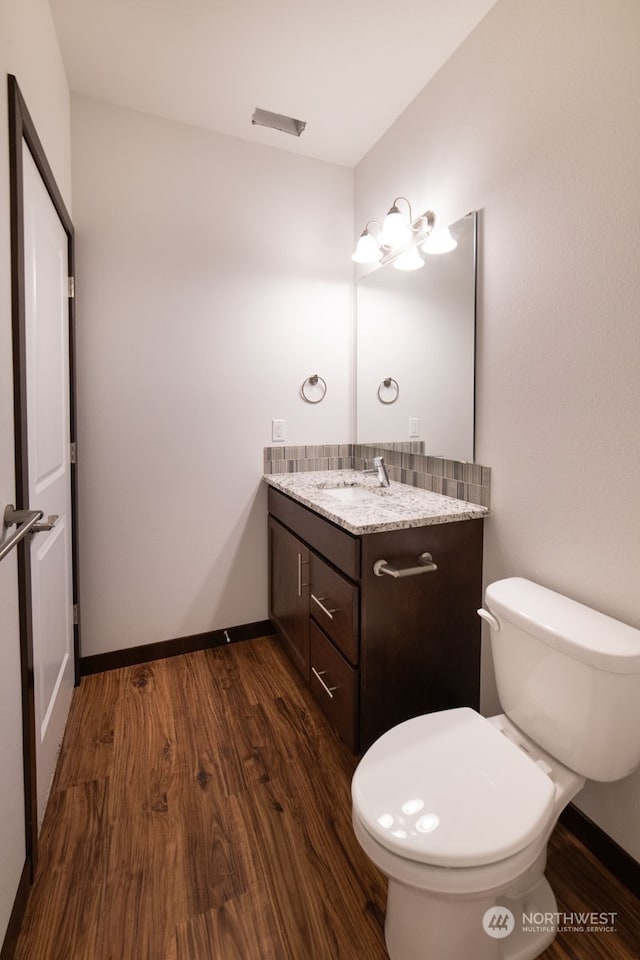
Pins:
x: 420, y: 645
x: 289, y: 593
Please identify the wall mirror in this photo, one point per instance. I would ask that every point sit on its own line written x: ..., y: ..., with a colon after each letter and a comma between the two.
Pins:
x: 415, y: 375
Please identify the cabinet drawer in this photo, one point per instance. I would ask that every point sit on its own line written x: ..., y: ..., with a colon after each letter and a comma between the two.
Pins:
x: 339, y: 547
x: 333, y: 603
x: 334, y: 684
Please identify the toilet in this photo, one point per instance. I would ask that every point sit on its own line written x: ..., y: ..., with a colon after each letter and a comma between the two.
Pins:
x: 457, y: 809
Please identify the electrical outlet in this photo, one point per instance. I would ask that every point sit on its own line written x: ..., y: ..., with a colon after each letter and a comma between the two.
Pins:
x: 414, y: 426
x: 278, y: 429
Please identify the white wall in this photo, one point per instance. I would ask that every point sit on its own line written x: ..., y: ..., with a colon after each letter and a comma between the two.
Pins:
x: 214, y: 276
x: 29, y: 50
x: 535, y: 122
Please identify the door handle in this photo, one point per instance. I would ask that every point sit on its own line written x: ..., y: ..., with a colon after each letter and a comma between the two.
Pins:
x: 24, y: 519
x: 50, y: 523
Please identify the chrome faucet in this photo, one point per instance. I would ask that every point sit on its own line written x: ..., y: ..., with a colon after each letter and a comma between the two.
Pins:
x: 380, y: 469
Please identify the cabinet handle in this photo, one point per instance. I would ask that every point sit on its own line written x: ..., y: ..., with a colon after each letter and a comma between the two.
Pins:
x: 319, y: 676
x: 324, y: 609
x: 425, y: 560
x: 300, y: 583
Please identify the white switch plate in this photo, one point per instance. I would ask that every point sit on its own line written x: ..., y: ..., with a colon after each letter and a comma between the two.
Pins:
x: 414, y: 426
x: 278, y: 429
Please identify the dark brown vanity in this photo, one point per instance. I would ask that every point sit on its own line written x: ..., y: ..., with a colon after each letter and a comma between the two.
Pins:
x: 376, y: 649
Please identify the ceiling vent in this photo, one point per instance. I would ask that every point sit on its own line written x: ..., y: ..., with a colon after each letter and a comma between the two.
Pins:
x: 278, y: 121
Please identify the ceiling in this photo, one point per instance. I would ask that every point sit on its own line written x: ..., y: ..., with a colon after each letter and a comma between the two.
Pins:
x: 346, y: 67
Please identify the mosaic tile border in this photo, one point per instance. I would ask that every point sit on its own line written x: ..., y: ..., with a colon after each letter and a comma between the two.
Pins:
x: 406, y: 462
x: 328, y: 456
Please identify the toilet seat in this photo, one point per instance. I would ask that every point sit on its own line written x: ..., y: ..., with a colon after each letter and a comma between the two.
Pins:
x: 449, y: 789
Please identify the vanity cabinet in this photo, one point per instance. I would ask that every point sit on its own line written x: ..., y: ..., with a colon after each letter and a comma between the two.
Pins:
x: 376, y: 650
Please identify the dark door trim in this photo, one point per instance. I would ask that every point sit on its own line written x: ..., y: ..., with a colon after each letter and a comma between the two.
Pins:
x: 21, y: 127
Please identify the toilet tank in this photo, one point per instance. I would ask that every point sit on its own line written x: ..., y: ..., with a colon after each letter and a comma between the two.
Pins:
x: 567, y: 676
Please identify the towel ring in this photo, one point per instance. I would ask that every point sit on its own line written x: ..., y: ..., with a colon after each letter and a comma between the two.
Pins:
x: 389, y: 383
x: 312, y: 382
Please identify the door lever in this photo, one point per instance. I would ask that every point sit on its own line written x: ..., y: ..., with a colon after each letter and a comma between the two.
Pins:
x: 24, y: 519
x: 50, y: 523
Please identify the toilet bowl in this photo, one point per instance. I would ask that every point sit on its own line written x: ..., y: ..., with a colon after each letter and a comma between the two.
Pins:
x: 457, y: 809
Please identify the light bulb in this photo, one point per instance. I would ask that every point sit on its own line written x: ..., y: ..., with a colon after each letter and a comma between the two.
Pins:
x: 395, y: 230
x: 439, y: 242
x: 367, y: 249
x: 409, y: 260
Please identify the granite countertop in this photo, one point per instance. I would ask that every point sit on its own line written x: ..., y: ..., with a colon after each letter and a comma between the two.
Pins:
x: 385, y: 508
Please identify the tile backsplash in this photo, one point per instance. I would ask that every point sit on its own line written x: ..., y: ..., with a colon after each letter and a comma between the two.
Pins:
x: 328, y: 456
x: 406, y: 462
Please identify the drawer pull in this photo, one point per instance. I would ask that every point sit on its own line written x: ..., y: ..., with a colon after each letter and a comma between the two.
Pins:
x: 324, y: 609
x: 425, y: 560
x: 319, y: 676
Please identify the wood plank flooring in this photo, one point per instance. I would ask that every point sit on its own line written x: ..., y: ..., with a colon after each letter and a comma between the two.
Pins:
x: 201, y: 811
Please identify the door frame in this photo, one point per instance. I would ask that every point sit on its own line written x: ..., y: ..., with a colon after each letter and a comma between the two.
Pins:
x: 22, y: 128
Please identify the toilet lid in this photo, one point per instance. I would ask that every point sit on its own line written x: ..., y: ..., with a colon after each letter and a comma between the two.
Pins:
x: 450, y: 790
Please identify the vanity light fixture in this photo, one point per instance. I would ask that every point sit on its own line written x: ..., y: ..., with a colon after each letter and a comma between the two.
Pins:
x: 440, y: 241
x: 398, y: 235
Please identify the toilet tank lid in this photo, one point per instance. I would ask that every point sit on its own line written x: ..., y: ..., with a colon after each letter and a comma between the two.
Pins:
x: 566, y: 625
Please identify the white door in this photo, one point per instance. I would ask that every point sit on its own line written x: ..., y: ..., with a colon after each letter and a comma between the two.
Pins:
x: 48, y: 432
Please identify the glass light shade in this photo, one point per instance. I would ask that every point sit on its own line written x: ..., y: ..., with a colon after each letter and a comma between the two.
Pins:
x: 367, y: 249
x: 409, y: 260
x: 395, y: 229
x: 439, y: 242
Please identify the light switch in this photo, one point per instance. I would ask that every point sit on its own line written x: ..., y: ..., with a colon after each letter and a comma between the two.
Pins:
x: 278, y: 429
x: 414, y: 426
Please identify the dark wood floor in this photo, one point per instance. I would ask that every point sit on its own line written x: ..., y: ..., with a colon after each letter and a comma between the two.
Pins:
x: 201, y: 811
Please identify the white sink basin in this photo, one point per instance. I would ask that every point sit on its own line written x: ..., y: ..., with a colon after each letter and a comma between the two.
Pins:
x: 352, y: 494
